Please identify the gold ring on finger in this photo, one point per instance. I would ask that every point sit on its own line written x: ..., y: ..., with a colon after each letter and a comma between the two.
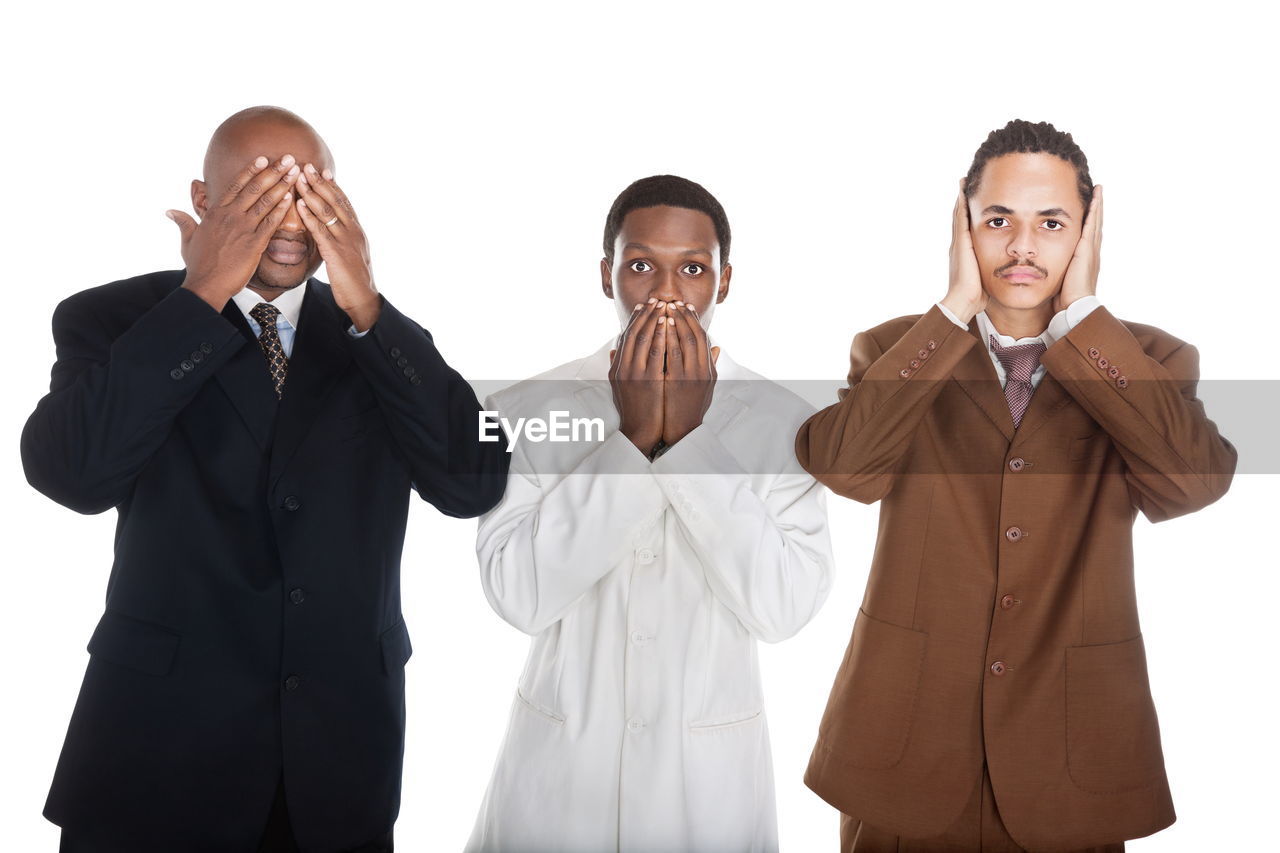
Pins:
x: 331, y: 221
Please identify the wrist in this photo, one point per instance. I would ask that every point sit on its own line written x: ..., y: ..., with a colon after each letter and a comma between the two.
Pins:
x: 963, y: 309
x: 215, y: 293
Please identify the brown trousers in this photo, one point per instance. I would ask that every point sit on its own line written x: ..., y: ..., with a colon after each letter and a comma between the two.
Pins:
x: 978, y: 830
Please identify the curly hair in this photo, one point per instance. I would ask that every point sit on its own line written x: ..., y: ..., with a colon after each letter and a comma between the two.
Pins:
x: 669, y: 191
x: 1024, y: 137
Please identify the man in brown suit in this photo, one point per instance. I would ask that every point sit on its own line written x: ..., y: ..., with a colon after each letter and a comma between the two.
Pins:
x: 994, y: 694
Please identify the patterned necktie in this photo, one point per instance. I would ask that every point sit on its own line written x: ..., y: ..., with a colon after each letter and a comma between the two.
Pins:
x: 1019, y: 362
x: 265, y: 315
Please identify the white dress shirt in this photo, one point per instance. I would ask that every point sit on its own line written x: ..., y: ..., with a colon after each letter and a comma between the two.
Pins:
x: 1062, y: 323
x: 289, y: 305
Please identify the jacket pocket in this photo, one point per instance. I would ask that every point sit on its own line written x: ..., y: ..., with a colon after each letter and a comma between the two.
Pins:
x: 142, y: 646
x: 728, y: 721
x: 1090, y: 446
x: 396, y: 648
x: 868, y: 718
x: 1113, y: 738
x: 545, y: 713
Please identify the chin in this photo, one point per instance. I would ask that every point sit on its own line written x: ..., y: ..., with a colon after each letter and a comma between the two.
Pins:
x: 287, y: 278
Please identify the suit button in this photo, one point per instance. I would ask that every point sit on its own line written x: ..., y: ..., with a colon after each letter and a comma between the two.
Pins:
x: 635, y: 724
x: 645, y: 556
x: 394, y: 352
x: 292, y: 682
x: 924, y: 353
x: 401, y: 361
x: 1007, y: 601
x: 415, y: 380
x: 639, y: 637
x: 291, y: 503
x: 187, y: 364
x: 904, y: 372
x: 176, y: 373
x: 197, y: 356
x: 206, y: 348
x: 932, y: 345
x: 1093, y: 352
x: 1013, y: 534
x: 410, y: 371
x: 297, y: 596
x: 915, y: 362
x: 1123, y: 382
x: 1017, y: 463
x: 998, y: 668
x: 1113, y: 372
x: 1103, y: 363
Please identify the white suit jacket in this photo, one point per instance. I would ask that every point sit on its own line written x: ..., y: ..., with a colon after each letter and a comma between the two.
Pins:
x: 638, y: 724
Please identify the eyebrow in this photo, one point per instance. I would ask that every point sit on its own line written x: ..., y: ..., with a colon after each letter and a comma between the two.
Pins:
x: 644, y: 248
x: 1004, y: 211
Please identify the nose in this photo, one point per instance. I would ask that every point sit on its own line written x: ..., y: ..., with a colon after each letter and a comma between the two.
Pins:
x: 292, y: 222
x: 666, y: 287
x: 1023, y: 242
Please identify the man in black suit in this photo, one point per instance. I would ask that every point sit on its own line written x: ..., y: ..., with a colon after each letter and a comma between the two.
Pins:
x: 258, y: 432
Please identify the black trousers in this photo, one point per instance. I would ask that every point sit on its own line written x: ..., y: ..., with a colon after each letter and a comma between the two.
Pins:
x: 276, y: 838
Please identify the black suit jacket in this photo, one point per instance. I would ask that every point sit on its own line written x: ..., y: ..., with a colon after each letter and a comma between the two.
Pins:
x: 252, y: 622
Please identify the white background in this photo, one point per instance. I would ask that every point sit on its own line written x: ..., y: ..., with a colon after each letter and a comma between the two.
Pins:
x: 482, y: 147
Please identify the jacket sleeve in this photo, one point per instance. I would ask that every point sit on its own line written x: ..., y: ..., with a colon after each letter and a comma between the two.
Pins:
x: 113, y: 400
x: 767, y: 559
x: 547, y: 544
x: 855, y: 446
x: 1175, y: 460
x: 433, y: 416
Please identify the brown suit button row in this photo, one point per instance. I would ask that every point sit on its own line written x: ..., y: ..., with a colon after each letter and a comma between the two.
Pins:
x: 189, y: 364
x: 921, y: 356
x: 1111, y: 369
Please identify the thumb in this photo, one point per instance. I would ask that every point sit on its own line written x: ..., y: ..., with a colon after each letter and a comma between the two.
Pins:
x: 612, y: 352
x: 185, y: 223
x: 715, y: 354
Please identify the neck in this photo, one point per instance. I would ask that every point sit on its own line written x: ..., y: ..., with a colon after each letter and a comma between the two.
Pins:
x: 1020, y: 322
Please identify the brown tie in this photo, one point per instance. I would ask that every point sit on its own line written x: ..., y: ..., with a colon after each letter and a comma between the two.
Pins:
x: 269, y: 339
x: 1019, y: 362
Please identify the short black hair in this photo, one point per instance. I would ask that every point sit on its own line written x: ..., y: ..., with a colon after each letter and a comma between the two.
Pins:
x: 1024, y: 137
x: 669, y: 191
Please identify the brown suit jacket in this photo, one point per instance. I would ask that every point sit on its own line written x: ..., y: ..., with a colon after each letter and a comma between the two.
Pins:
x: 1000, y: 622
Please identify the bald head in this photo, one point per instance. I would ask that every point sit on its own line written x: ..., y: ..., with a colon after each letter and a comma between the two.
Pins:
x: 270, y: 132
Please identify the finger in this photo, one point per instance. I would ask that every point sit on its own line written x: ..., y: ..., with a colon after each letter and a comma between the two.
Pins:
x: 323, y: 184
x: 686, y: 343
x: 272, y: 220
x: 319, y: 231
x: 646, y: 334
x: 264, y: 181
x: 675, y: 367
x: 631, y: 336
x: 186, y: 225
x: 715, y: 356
x: 702, y: 357
x: 658, y: 348
x: 1097, y: 191
x: 319, y: 204
x: 267, y: 202
x: 240, y: 181
x: 612, y: 353
x: 959, y: 216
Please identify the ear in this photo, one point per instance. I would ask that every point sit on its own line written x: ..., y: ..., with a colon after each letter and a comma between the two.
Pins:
x: 606, y: 278
x: 723, y: 290
x: 199, y: 197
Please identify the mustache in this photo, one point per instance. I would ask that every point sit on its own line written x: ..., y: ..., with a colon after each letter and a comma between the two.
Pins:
x: 1002, y: 270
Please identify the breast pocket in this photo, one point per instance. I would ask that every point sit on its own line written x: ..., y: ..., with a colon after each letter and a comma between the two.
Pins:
x: 142, y: 646
x: 359, y: 425
x: 1113, y: 738
x: 1091, y: 446
x: 872, y: 705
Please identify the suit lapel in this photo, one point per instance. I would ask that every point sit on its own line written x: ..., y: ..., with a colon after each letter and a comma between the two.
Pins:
x: 977, y: 376
x: 247, y: 381
x: 320, y: 357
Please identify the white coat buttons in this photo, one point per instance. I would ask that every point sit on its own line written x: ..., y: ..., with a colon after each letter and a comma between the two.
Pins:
x: 635, y: 724
x: 645, y: 556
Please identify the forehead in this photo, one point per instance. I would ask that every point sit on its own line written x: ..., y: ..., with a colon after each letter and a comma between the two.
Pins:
x: 674, y: 228
x: 1028, y: 182
x: 234, y: 149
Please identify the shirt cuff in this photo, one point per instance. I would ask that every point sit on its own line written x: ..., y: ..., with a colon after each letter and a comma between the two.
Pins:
x: 952, y: 317
x: 1068, y: 318
x: 351, y: 330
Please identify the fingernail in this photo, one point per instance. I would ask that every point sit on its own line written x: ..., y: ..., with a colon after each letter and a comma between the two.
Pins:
x: 293, y: 171
x: 678, y: 302
x: 652, y: 300
x: 328, y: 174
x: 286, y: 160
x: 260, y: 163
x: 638, y: 307
x: 169, y: 213
x: 311, y: 170
x: 662, y: 305
x: 671, y: 321
x: 301, y: 203
x: 288, y: 196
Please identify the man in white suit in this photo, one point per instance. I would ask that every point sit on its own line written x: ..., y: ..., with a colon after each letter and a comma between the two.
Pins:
x: 647, y: 562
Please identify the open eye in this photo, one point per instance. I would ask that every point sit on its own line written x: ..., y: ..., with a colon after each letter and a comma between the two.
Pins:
x: 694, y: 269
x: 998, y: 222
x: 639, y: 266
x: 1053, y: 225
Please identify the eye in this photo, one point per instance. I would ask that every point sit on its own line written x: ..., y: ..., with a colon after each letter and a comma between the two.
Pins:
x: 998, y: 222
x: 1054, y: 225
x: 694, y: 269
x: 639, y: 266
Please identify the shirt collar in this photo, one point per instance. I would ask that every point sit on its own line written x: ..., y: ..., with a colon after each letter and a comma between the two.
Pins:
x: 986, y: 329
x: 289, y: 303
